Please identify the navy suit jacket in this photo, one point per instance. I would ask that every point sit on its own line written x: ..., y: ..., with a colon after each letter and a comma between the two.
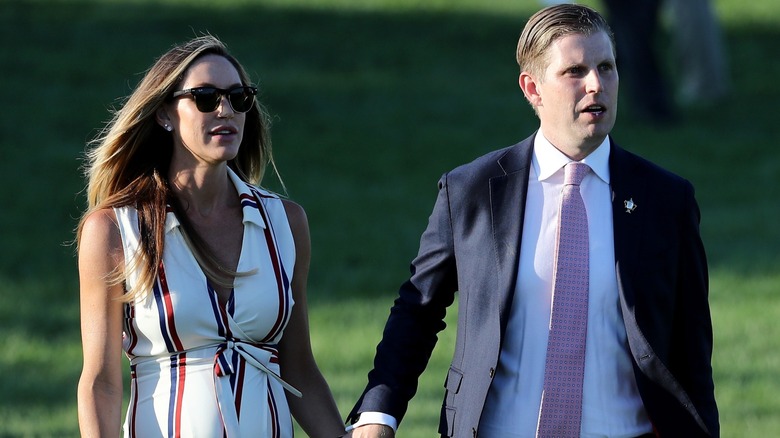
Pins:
x: 471, y: 246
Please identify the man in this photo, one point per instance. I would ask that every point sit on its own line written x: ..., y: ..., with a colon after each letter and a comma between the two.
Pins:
x: 629, y: 258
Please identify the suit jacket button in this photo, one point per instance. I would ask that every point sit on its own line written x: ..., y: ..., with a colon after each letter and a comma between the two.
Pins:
x: 474, y: 432
x: 492, y: 372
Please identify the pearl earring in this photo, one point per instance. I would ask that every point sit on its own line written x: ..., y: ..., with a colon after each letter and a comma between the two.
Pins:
x: 168, y: 127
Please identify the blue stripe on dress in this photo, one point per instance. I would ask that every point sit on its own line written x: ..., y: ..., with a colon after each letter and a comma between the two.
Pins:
x: 162, y: 316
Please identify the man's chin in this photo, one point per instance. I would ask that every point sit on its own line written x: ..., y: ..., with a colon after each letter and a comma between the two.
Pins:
x: 597, y: 133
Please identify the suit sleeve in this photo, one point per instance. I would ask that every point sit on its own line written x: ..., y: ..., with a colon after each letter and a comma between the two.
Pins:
x: 695, y: 348
x: 415, y: 319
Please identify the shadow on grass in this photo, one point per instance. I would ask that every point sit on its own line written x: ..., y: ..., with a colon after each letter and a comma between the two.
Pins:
x: 369, y: 108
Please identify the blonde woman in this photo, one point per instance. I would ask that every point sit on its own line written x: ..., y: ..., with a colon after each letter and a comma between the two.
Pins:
x: 191, y: 269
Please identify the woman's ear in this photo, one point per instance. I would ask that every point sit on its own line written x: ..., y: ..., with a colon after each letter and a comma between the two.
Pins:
x: 529, y: 86
x: 163, y: 120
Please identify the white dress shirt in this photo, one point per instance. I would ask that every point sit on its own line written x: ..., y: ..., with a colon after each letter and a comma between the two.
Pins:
x: 611, y: 403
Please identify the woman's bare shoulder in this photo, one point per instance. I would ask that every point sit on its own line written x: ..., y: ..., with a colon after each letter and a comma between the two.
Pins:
x: 100, y: 232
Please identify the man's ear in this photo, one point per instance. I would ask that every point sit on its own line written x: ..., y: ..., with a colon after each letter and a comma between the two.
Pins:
x: 530, y: 89
x: 161, y: 115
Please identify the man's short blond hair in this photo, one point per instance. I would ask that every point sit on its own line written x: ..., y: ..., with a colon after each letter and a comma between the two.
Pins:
x: 551, y: 23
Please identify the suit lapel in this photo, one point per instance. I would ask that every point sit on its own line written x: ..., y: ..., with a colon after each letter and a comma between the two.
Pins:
x: 629, y: 229
x: 508, y: 191
x: 626, y: 226
x: 628, y: 232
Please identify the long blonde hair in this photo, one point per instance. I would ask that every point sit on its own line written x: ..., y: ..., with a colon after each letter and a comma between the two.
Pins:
x: 128, y: 161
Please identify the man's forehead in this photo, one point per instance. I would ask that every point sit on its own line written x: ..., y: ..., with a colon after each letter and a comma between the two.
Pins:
x: 579, y: 47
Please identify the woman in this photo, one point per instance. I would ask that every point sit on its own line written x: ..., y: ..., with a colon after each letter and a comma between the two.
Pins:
x: 191, y: 269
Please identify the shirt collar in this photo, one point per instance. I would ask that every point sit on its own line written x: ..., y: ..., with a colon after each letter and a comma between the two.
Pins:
x: 171, y: 221
x: 547, y: 159
x: 249, y: 200
x: 249, y: 203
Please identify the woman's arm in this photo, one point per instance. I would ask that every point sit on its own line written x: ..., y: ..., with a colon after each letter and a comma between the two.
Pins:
x: 316, y: 411
x: 100, y: 385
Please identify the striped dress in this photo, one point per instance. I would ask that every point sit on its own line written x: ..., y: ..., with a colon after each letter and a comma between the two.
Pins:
x: 200, y: 368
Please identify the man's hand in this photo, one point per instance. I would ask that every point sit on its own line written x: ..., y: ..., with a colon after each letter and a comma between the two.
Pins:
x: 372, y: 431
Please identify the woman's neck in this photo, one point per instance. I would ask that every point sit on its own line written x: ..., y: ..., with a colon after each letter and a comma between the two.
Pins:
x: 202, y: 190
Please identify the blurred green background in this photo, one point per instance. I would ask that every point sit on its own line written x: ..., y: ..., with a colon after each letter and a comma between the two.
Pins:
x: 372, y: 100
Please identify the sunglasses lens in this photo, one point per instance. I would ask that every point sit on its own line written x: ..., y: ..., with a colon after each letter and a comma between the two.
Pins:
x: 241, y: 99
x: 206, y: 99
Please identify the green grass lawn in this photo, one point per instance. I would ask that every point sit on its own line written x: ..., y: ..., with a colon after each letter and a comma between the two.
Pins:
x: 372, y: 101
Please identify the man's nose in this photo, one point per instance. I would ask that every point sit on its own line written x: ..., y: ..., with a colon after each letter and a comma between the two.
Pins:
x: 593, y: 82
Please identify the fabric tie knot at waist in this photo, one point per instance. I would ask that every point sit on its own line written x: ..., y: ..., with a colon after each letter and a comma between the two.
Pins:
x: 260, y: 356
x: 227, y: 364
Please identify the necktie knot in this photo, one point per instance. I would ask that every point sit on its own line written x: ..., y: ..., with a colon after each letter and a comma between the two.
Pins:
x: 574, y: 173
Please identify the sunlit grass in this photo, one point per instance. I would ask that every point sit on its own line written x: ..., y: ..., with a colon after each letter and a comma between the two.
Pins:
x: 372, y: 100
x: 745, y: 310
x: 344, y: 336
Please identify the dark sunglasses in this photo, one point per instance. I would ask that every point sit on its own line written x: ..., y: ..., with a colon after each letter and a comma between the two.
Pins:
x: 207, y: 99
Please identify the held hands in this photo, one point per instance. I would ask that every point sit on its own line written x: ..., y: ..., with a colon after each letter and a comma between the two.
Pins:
x: 372, y: 431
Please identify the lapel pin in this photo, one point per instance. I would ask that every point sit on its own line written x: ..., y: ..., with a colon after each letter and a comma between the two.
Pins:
x: 630, y: 205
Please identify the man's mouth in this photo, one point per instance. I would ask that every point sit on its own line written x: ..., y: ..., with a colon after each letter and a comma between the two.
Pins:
x: 594, y: 109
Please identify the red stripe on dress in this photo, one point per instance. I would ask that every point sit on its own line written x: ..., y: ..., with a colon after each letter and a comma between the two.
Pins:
x: 130, y: 327
x: 272, y: 409
x: 225, y: 325
x: 247, y: 197
x: 239, y: 391
x: 169, y: 319
x: 182, y: 372
x: 133, y: 402
x: 280, y: 283
x: 274, y: 351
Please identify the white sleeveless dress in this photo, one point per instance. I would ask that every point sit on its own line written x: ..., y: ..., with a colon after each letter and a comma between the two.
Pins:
x: 199, y: 368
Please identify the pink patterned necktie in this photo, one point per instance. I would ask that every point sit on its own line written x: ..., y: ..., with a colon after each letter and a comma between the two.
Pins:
x: 561, y: 411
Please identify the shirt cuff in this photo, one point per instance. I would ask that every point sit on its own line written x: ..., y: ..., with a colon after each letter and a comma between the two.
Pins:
x: 374, y: 418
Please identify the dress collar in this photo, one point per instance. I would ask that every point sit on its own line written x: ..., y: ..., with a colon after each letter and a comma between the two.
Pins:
x: 249, y: 202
